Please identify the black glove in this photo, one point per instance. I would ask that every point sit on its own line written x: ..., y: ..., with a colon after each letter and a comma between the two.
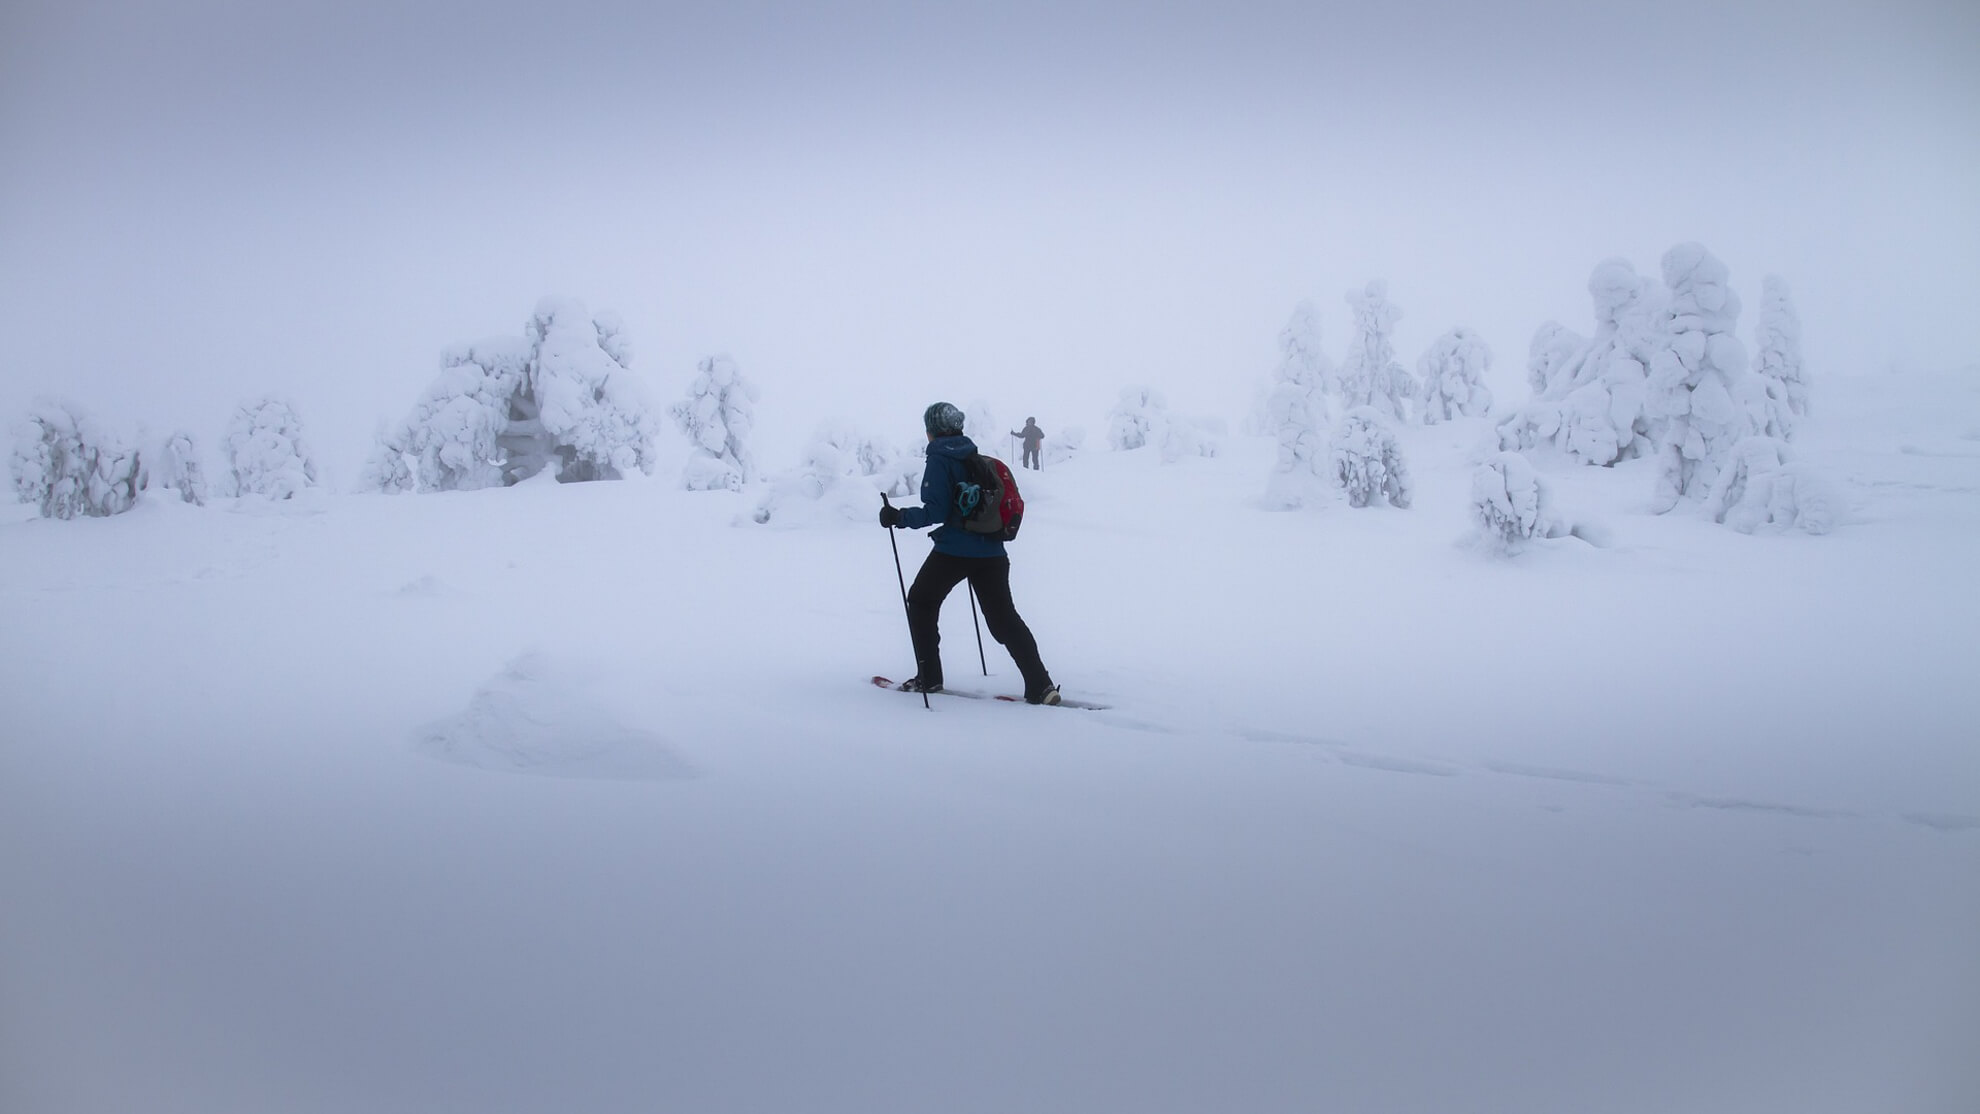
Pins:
x: 890, y: 516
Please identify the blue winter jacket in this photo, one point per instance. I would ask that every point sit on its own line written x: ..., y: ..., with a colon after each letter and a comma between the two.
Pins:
x: 938, y: 502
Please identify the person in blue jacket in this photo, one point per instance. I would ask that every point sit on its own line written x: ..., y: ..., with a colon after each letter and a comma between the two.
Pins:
x: 960, y: 555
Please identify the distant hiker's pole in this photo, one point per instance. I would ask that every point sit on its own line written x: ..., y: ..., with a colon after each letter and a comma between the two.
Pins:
x: 979, y: 632
x: 902, y: 577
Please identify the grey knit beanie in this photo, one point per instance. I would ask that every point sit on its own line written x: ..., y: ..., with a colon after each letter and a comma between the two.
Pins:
x: 942, y: 420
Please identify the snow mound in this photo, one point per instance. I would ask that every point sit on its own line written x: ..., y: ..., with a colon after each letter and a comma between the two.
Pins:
x: 535, y: 717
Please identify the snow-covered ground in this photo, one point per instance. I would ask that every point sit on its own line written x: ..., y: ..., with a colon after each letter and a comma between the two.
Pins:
x: 575, y: 799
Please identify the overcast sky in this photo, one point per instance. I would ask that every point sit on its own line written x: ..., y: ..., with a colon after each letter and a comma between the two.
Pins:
x: 873, y: 205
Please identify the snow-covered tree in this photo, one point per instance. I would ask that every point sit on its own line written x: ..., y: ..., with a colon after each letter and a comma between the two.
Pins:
x: 1183, y: 437
x: 1552, y: 347
x: 1062, y: 444
x: 1761, y: 487
x: 1371, y: 375
x: 1368, y: 463
x: 503, y: 409
x: 1592, y: 404
x: 178, y: 468
x: 1136, y: 418
x: 68, y: 465
x: 981, y: 425
x: 389, y: 468
x: 1512, y: 505
x: 717, y: 417
x: 266, y: 452
x: 1778, y: 361
x: 840, y: 476
x: 455, y: 432
x: 1453, y: 373
x: 591, y: 413
x: 1296, y: 412
x: 1701, y: 393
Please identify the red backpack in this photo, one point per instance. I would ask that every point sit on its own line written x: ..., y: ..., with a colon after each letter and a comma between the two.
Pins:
x: 988, y: 498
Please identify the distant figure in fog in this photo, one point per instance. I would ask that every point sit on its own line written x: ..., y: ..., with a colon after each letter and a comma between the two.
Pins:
x: 1032, y: 437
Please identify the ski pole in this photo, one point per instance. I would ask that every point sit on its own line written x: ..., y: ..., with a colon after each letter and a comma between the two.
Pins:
x: 902, y: 577
x: 981, y: 660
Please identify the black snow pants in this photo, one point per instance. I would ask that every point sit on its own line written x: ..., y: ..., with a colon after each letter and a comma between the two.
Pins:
x: 991, y: 577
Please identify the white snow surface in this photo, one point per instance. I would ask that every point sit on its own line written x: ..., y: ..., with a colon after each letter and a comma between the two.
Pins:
x: 575, y: 798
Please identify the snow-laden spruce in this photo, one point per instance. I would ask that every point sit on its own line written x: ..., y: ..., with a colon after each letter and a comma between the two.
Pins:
x: 592, y: 417
x: 1778, y: 359
x: 1590, y: 405
x: 505, y: 408
x: 839, y: 478
x: 453, y: 440
x: 70, y: 466
x: 1368, y: 463
x: 1511, y: 504
x: 717, y: 417
x: 1761, y: 488
x: 266, y: 453
x: 1136, y: 418
x: 389, y: 467
x: 1296, y: 413
x: 177, y: 467
x: 1702, y: 396
x: 1453, y: 372
x: 1370, y: 375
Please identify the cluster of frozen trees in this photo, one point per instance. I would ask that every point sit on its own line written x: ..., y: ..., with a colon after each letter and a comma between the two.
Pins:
x: 717, y: 416
x: 1359, y: 456
x: 1062, y: 444
x: 1666, y: 377
x: 71, y: 466
x: 1142, y: 417
x: 840, y: 475
x: 560, y: 398
x: 1134, y: 418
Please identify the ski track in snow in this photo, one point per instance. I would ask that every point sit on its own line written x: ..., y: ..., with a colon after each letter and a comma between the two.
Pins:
x: 1364, y: 760
x: 1944, y: 821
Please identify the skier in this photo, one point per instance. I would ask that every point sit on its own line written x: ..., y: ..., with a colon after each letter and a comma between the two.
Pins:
x: 1033, y: 437
x: 960, y: 555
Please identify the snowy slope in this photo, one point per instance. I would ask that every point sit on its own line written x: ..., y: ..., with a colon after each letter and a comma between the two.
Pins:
x: 572, y: 798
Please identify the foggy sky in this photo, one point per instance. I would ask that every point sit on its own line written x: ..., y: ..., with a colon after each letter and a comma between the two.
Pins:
x: 874, y: 205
